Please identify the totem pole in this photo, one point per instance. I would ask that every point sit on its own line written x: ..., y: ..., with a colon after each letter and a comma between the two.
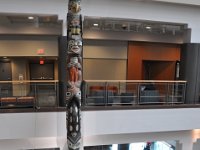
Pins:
x: 74, y: 75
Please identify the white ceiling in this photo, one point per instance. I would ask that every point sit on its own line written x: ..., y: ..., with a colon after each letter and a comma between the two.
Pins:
x: 186, y: 2
x: 21, y: 24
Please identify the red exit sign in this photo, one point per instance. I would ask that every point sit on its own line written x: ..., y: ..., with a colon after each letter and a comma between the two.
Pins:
x: 40, y: 51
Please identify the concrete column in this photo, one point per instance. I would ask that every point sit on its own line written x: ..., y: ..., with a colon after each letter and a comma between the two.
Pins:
x: 64, y: 27
x: 62, y: 44
x: 187, y: 143
x: 178, y: 146
x: 196, y: 145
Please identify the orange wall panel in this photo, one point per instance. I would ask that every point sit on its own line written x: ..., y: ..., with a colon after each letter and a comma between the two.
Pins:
x: 140, y: 51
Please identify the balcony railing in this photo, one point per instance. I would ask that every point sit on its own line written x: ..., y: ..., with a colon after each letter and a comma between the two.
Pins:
x: 45, y: 93
x: 133, y: 92
x: 28, y: 94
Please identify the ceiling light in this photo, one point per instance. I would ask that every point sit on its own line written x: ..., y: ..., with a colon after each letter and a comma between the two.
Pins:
x: 96, y: 24
x: 148, y: 27
x: 31, y: 17
x: 124, y: 26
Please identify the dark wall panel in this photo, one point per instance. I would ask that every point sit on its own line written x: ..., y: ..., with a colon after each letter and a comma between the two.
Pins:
x: 143, y: 51
x: 42, y: 72
x: 189, y: 70
x: 62, y: 73
x: 5, y: 71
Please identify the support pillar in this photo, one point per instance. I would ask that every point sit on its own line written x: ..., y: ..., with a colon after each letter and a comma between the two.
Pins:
x: 187, y: 142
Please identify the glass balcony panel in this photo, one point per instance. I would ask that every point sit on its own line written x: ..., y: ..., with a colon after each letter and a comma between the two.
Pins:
x: 176, y: 93
x: 122, y: 93
x: 134, y: 92
x: 28, y: 94
x: 95, y: 93
x: 153, y: 93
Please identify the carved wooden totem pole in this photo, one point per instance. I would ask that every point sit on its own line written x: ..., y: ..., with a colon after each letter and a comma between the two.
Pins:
x: 74, y: 75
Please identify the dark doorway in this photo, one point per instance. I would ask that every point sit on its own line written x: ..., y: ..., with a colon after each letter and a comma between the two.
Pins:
x: 5, y: 71
x: 42, y: 72
x: 159, y: 70
x: 5, y: 75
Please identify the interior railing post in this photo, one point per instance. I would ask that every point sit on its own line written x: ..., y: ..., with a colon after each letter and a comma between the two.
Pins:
x: 184, y: 92
x: 167, y: 94
x: 83, y: 93
x: 106, y: 93
x: 138, y: 93
x: 173, y: 92
x: 35, y: 95
x: 57, y: 95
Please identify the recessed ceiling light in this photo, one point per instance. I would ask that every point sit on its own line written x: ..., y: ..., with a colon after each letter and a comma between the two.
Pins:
x: 96, y: 24
x: 148, y: 27
x: 30, y: 17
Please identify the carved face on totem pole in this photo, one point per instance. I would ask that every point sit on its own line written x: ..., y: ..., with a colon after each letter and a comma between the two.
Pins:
x: 74, y: 123
x: 74, y: 68
x: 74, y: 75
x: 75, y: 46
x: 74, y: 20
x: 74, y: 26
x: 74, y: 6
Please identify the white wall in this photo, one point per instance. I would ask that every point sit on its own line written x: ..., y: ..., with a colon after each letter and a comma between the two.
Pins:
x: 109, y: 8
x: 35, y: 6
x: 28, y: 47
x: 48, y: 129
x: 191, y: 2
x: 28, y: 29
x: 126, y: 126
x: 184, y: 137
x: 147, y: 11
x: 32, y: 130
x: 110, y: 57
x: 105, y: 49
x: 140, y: 121
x: 135, y: 36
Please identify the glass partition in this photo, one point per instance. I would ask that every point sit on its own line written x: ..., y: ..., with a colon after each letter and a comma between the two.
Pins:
x: 130, y: 92
x: 28, y: 94
x: 156, y: 145
x: 44, y: 93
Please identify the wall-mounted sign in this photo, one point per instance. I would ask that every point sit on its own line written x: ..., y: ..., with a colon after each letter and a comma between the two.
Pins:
x: 41, y: 61
x: 40, y: 51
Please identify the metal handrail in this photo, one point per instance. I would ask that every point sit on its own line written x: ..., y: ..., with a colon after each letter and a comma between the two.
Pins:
x: 29, y: 93
x: 170, y: 94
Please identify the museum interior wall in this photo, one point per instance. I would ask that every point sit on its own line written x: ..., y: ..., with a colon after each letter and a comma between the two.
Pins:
x: 190, y: 71
x: 108, y: 58
x: 28, y: 46
x: 136, y: 36
x: 19, y: 53
x: 158, y: 12
x: 116, y: 60
x: 14, y: 48
x: 157, y: 60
